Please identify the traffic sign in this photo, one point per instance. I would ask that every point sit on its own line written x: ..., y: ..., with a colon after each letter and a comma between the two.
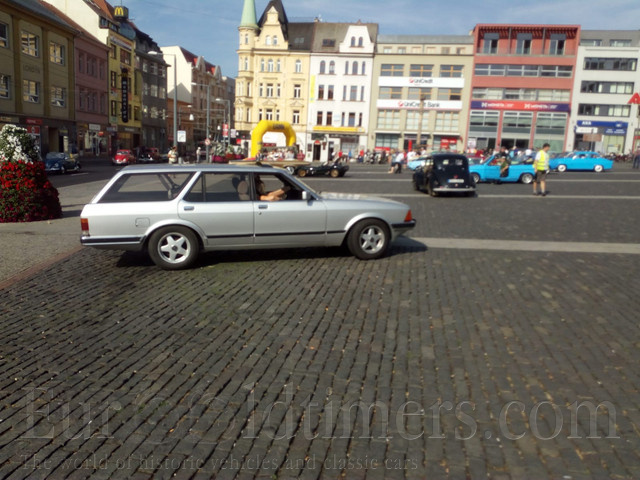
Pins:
x: 207, y: 141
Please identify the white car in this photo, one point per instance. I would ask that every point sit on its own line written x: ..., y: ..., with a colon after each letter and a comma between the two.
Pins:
x: 176, y: 211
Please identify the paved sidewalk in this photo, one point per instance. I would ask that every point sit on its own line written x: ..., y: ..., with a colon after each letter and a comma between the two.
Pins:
x: 32, y: 245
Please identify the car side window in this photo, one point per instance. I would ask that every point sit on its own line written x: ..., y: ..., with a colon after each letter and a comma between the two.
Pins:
x: 146, y: 187
x: 273, y: 182
x: 220, y: 187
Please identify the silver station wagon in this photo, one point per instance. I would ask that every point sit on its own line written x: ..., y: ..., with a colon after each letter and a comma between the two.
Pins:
x: 176, y: 211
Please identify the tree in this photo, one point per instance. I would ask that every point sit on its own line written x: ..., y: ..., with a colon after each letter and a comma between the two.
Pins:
x: 26, y: 194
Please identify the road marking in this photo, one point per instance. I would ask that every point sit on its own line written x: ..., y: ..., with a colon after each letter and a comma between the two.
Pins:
x: 528, y: 196
x: 522, y: 245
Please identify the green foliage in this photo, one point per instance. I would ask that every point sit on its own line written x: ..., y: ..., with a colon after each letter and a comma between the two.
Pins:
x: 26, y: 194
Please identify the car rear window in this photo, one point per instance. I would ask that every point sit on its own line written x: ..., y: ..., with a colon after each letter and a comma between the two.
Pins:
x: 146, y: 187
x: 450, y: 164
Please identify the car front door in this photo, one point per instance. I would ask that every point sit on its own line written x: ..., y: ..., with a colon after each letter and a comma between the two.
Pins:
x: 220, y: 205
x: 290, y: 222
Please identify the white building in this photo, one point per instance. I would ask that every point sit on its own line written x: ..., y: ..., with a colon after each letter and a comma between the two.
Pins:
x: 606, y: 78
x: 340, y: 74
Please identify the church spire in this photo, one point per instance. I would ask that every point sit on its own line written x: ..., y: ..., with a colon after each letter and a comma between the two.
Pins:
x: 249, y: 14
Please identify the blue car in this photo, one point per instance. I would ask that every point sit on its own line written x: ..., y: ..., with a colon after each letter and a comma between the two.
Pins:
x: 590, y: 161
x: 520, y: 170
x: 416, y: 162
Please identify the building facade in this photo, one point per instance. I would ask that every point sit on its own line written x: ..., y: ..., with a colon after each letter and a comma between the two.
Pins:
x: 420, y: 92
x: 603, y: 118
x: 522, y: 85
x: 37, y: 74
x: 341, y: 66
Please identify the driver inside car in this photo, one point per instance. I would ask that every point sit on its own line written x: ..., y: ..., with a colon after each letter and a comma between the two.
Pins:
x: 273, y: 196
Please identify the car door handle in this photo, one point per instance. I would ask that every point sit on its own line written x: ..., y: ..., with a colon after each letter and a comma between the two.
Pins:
x: 189, y: 208
x: 263, y: 207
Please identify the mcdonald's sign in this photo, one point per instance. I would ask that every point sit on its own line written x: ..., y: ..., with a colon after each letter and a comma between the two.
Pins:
x: 120, y: 12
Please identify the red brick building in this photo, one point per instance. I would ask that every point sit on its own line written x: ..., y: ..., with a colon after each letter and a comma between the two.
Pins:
x: 522, y: 85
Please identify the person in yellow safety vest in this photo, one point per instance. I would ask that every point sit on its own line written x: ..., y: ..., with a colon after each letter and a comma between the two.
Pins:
x: 541, y: 167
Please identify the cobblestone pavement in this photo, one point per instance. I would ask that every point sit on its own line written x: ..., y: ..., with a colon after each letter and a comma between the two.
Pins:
x: 430, y: 363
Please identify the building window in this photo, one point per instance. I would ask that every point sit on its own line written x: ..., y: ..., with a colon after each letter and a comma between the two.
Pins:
x: 490, y: 43
x: 606, y: 87
x: 270, y: 65
x: 353, y: 41
x: 596, y: 110
x: 413, y: 121
x: 295, y: 118
x: 332, y: 67
x: 352, y: 120
x: 390, y: 93
x: 388, y: 119
x: 620, y: 43
x: 268, y: 114
x: 56, y: 53
x: 81, y: 63
x: 363, y: 69
x: 113, y: 108
x: 486, y: 120
x: 275, y: 40
x: 114, y: 51
x: 269, y: 90
x: 591, y: 42
x: 322, y: 67
x: 449, y: 71
x: 320, y: 92
x: 298, y: 66
x: 30, y: 91
x: 447, y: 122
x: 621, y: 64
x: 58, y: 96
x: 517, y: 120
x: 416, y: 70
x: 392, y: 70
x: 262, y: 64
x: 319, y: 118
x: 125, y: 56
x: 267, y: 40
x: 278, y: 65
x: 551, y: 123
x: 419, y: 93
x: 523, y: 43
x: 297, y: 91
x: 4, y: 35
x: 4, y: 86
x: 329, y: 92
x: 329, y: 118
x: 402, y: 50
x: 113, y: 82
x: 353, y: 93
x: 487, y: 93
x: 30, y: 44
x: 354, y: 68
x: 557, y: 44
x: 449, y: 94
x: 360, y: 41
x: 346, y: 68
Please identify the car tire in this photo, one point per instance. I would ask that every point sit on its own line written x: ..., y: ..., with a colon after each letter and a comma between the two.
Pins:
x: 526, y: 178
x: 431, y: 191
x: 415, y: 185
x: 369, y: 239
x: 173, y: 248
x: 291, y: 170
x: 476, y: 178
x: 334, y: 173
x: 562, y: 168
x: 302, y: 172
x: 598, y: 168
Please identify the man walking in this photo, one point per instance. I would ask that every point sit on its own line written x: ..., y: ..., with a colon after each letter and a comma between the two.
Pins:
x: 636, y: 159
x: 541, y: 167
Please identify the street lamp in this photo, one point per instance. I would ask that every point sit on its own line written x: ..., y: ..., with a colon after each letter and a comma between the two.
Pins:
x: 227, y: 112
x: 175, y: 94
x: 206, y: 144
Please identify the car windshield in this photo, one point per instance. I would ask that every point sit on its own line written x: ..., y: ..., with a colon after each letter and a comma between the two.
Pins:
x: 55, y: 156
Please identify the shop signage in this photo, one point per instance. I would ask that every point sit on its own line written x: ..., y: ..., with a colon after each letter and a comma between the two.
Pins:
x: 94, y: 127
x: 519, y: 105
x: 124, y: 91
x: 635, y: 99
x: 415, y: 104
x: 33, y: 121
x: 596, y: 123
x: 421, y: 82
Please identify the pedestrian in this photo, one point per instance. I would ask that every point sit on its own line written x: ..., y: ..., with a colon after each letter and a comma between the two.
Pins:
x: 541, y: 167
x: 636, y: 159
x: 173, y: 155
x: 397, y: 161
x: 198, y: 152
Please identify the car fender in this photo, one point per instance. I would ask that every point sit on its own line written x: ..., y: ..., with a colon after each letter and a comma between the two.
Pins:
x: 365, y: 216
x: 174, y: 222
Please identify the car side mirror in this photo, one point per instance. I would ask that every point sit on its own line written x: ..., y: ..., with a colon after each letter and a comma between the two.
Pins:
x: 305, y: 196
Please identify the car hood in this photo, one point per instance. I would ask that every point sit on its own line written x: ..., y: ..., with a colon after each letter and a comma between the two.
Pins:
x: 50, y: 162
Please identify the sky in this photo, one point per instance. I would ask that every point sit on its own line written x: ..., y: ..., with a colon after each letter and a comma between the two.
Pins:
x: 210, y: 27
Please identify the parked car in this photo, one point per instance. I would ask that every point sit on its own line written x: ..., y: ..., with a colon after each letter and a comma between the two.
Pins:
x: 123, y: 157
x: 444, y: 173
x: 149, y: 155
x: 333, y: 169
x: 60, y: 162
x: 416, y: 162
x: 520, y: 170
x: 173, y: 212
x: 582, y: 160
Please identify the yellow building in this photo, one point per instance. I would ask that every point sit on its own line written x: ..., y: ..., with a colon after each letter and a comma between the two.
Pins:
x: 273, y: 71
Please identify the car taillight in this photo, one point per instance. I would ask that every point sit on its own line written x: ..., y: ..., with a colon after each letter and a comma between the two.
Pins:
x: 408, y: 216
x: 84, y: 224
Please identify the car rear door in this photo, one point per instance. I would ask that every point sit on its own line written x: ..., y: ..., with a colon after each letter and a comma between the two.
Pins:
x: 214, y: 204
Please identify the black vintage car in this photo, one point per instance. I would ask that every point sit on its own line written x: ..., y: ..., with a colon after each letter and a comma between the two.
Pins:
x: 444, y: 173
x: 333, y: 169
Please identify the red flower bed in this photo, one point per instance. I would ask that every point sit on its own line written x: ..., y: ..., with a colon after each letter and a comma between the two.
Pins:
x: 26, y: 195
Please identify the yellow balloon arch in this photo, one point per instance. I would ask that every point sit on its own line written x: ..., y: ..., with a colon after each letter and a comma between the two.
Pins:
x: 265, y: 126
